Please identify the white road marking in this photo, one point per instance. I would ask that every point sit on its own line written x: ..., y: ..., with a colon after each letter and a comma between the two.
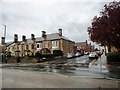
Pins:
x: 21, y: 70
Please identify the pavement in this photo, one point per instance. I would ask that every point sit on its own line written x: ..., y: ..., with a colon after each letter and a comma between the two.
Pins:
x: 100, y: 66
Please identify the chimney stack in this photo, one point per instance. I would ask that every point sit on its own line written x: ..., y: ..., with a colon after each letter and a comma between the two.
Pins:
x: 15, y: 38
x: 32, y: 36
x: 24, y: 38
x: 2, y: 40
x: 60, y: 31
x: 43, y: 34
x: 86, y: 42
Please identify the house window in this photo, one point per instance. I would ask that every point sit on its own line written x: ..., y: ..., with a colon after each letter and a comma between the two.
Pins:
x: 54, y: 44
x: 8, y: 48
x: 46, y: 45
x: 32, y: 54
x: 32, y: 46
x: 27, y: 47
x: 17, y: 47
x: 13, y: 48
x: 22, y: 47
x: 39, y: 45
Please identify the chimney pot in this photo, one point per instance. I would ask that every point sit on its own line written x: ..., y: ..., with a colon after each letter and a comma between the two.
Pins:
x: 23, y: 38
x: 15, y: 38
x: 43, y: 34
x: 86, y: 41
x: 60, y: 31
x: 2, y: 40
x: 32, y: 36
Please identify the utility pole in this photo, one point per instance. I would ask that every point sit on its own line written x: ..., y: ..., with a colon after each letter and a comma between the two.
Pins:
x: 4, y: 34
x: 5, y: 50
x: 4, y: 31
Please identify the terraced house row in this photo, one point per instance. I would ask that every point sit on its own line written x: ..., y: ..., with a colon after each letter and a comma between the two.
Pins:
x: 28, y: 47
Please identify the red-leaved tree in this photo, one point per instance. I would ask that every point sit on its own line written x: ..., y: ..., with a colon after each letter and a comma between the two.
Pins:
x: 105, y: 29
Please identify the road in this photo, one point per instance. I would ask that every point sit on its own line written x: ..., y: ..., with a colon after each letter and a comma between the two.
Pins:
x: 13, y: 78
x: 96, y: 68
x: 67, y: 69
x: 53, y: 77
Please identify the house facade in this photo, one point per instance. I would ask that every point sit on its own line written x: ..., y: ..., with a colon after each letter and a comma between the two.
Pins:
x: 28, y: 47
x: 113, y: 49
x: 84, y: 46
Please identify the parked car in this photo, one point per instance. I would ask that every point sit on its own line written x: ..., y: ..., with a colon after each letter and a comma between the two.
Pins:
x: 93, y: 55
x: 99, y: 53
x: 70, y: 55
x: 81, y: 52
x: 77, y: 54
x: 86, y: 53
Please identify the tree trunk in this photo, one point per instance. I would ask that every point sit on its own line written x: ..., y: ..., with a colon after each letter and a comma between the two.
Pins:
x: 105, y: 50
x: 109, y: 48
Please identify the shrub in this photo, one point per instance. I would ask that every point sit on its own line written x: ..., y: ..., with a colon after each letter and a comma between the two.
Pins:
x: 45, y: 51
x: 28, y: 60
x: 38, y: 55
x: 57, y: 53
x: 12, y: 59
x: 47, y: 56
x: 113, y: 57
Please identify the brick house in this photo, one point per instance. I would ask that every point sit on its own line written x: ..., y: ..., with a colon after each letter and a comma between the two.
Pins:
x: 54, y: 41
x: 113, y: 49
x: 3, y: 45
x: 84, y: 46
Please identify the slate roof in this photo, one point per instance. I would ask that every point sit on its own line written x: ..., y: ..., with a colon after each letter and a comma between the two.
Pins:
x: 28, y: 41
x: 80, y: 44
x: 54, y: 36
x: 7, y: 44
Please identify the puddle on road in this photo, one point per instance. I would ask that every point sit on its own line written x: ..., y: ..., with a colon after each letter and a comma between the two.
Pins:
x: 95, y: 72
x: 73, y: 71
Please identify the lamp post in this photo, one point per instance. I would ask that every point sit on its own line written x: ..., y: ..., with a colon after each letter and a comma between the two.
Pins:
x: 4, y: 30
x: 3, y: 43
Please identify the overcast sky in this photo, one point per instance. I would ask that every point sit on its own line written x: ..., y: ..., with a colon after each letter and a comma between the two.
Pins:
x: 24, y: 17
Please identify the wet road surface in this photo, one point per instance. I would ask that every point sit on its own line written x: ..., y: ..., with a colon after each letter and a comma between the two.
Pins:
x: 80, y: 66
x: 14, y: 78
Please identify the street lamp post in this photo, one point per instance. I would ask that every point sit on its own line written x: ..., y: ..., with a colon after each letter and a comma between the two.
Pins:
x: 4, y: 31
x: 3, y: 42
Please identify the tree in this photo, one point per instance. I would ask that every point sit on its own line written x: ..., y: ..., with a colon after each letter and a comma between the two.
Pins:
x: 105, y: 29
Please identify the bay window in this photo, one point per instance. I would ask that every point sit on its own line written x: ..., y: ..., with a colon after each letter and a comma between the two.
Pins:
x: 54, y: 44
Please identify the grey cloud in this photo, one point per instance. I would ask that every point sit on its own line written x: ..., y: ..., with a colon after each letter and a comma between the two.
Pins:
x: 27, y: 17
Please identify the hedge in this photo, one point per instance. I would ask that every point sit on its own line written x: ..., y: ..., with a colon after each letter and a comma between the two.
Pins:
x: 113, y: 57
